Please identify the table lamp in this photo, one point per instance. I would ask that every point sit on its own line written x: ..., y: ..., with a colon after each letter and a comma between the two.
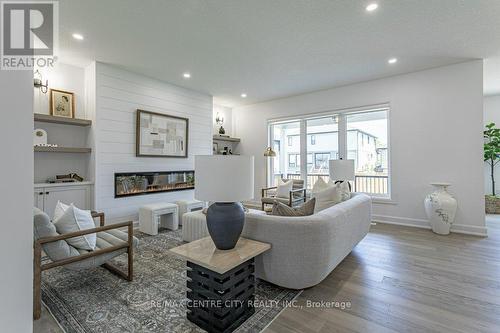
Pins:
x: 225, y: 180
x: 341, y: 170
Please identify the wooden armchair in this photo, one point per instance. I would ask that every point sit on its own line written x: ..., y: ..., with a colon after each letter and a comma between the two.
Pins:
x: 111, y: 243
x: 295, y: 196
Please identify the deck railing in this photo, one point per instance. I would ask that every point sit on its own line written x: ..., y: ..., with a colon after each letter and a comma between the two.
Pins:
x: 373, y: 184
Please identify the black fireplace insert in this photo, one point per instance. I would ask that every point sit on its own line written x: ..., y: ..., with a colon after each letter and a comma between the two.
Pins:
x: 140, y: 183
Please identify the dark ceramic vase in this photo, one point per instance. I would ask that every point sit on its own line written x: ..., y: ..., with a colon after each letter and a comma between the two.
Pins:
x: 225, y: 223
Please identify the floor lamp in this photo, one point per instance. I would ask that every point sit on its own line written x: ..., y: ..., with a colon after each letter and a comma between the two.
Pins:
x: 268, y: 153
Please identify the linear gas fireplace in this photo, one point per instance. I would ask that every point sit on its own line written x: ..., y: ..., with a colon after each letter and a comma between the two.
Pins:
x: 139, y: 183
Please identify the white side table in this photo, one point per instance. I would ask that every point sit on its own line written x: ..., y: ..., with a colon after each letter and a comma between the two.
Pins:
x: 186, y: 206
x: 152, y: 216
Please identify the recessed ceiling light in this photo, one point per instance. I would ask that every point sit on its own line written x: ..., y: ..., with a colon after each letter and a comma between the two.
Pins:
x: 186, y: 75
x: 244, y: 95
x: 78, y: 36
x: 371, y: 7
x: 392, y: 61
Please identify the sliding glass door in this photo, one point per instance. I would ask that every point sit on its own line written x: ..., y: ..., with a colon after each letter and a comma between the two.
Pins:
x: 367, y: 141
x: 322, y: 146
x: 285, y: 139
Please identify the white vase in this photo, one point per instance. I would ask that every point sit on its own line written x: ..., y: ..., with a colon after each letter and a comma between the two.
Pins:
x: 441, y: 208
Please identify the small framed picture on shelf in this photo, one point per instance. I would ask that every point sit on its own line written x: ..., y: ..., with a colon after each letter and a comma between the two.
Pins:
x: 62, y: 103
x: 215, y: 148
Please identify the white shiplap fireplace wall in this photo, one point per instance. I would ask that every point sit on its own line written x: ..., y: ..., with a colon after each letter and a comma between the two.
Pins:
x: 119, y: 94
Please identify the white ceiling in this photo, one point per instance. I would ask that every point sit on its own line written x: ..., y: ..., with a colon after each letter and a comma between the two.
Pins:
x: 275, y: 48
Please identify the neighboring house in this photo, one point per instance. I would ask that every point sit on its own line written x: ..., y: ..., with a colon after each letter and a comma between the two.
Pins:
x: 369, y: 155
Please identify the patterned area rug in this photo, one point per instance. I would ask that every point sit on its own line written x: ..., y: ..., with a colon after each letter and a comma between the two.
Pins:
x: 99, y: 301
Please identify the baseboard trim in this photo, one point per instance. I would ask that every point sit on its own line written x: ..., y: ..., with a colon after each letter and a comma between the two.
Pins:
x: 424, y: 224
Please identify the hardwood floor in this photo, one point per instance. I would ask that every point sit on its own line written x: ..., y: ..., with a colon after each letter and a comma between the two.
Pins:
x: 401, y: 279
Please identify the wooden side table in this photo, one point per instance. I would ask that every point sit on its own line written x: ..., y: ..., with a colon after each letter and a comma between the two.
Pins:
x: 222, y: 283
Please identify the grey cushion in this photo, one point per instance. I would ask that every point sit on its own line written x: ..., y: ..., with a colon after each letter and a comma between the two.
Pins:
x: 306, y: 209
x: 298, y: 184
x: 104, y: 239
x: 43, y: 227
x: 58, y: 250
x: 271, y: 200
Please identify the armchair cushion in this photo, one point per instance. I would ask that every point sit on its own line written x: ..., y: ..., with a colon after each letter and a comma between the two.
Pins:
x: 74, y: 219
x: 59, y: 210
x: 104, y: 239
x: 298, y: 184
x: 43, y: 227
x: 283, y: 189
x: 271, y: 200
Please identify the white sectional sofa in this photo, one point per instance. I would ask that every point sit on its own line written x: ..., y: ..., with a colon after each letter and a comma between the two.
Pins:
x: 304, y: 250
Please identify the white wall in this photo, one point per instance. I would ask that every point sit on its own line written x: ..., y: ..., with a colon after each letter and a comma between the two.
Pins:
x: 436, y: 122
x: 491, y: 114
x: 119, y: 94
x: 16, y: 204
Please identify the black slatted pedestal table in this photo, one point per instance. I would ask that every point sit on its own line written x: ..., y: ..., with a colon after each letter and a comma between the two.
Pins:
x: 221, y: 284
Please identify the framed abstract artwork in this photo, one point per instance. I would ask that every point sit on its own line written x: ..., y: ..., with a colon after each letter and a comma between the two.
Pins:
x: 161, y: 135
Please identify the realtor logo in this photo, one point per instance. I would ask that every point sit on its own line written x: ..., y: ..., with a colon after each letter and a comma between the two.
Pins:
x: 29, y: 34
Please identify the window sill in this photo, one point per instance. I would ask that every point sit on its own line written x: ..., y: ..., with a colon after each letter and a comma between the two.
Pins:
x: 383, y: 201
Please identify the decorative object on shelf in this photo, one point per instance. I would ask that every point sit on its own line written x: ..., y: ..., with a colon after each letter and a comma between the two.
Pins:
x: 227, y: 138
x: 51, y: 145
x: 62, y: 103
x: 220, y: 121
x: 225, y: 180
x: 342, y: 170
x: 39, y: 137
x: 38, y: 82
x: 161, y: 135
x: 69, y: 177
x: 269, y: 152
x: 215, y: 148
x: 492, y: 157
x: 441, y: 208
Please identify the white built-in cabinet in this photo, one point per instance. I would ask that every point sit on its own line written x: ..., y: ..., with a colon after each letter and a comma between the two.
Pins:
x: 47, y: 195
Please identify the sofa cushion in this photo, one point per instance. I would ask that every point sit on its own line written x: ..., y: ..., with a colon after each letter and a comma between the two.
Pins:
x: 327, y: 198
x: 75, y: 219
x: 306, y: 209
x: 320, y: 185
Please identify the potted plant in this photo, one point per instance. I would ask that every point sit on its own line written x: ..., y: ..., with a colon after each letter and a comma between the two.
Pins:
x: 492, y: 157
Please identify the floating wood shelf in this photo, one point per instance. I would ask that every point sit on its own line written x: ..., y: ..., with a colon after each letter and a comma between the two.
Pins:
x: 61, y: 120
x: 62, y: 150
x: 225, y: 138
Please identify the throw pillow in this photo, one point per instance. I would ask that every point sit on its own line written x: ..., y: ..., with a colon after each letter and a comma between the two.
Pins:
x: 59, y: 210
x: 75, y: 219
x: 345, y: 192
x: 284, y: 188
x: 306, y: 209
x: 320, y: 185
x: 327, y: 198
